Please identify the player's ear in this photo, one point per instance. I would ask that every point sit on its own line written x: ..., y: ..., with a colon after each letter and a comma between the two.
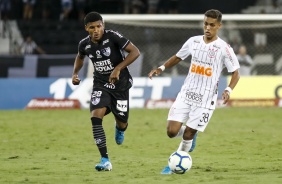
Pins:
x: 86, y: 28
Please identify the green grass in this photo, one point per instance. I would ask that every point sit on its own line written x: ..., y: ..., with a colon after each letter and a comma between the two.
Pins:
x: 240, y: 146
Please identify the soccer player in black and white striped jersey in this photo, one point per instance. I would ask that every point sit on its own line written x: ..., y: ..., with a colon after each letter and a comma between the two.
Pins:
x: 196, y: 101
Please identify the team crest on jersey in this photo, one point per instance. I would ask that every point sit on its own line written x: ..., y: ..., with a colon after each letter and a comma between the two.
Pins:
x: 106, y: 51
x: 90, y: 56
x: 212, y: 53
x: 98, y: 54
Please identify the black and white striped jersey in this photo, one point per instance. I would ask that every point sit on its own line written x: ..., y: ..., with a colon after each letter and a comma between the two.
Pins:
x: 200, y: 87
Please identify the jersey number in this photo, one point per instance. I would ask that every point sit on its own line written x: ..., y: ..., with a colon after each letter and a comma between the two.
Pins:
x: 205, y: 118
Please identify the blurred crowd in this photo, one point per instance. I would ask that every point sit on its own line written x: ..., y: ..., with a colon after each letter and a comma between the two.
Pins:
x: 76, y: 9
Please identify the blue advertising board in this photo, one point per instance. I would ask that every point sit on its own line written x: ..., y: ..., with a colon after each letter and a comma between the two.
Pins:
x: 15, y: 93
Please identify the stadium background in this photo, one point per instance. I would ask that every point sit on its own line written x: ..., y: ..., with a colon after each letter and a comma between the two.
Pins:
x: 253, y: 23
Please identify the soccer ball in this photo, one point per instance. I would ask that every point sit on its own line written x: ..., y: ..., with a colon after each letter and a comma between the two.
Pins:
x: 179, y: 162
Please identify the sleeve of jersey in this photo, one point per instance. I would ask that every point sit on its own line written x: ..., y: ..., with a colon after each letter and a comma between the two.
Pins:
x: 120, y: 39
x: 81, y: 49
x: 184, y: 52
x: 230, y: 60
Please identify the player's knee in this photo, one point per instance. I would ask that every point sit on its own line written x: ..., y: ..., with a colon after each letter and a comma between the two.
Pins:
x: 171, y: 132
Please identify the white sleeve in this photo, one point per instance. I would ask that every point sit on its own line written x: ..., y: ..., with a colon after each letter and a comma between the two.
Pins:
x: 184, y: 52
x: 230, y: 59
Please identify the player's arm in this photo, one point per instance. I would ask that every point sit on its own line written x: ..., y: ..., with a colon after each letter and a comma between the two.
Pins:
x: 233, y: 82
x: 133, y: 54
x: 78, y: 63
x: 40, y: 50
x: 168, y: 64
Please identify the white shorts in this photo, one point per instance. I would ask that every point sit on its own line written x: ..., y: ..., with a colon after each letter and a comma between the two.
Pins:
x: 195, y: 117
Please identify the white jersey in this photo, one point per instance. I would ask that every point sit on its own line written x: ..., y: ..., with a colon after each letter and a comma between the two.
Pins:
x: 200, y: 87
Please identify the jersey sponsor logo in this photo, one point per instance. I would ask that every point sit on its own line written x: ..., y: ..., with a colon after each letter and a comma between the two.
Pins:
x: 122, y: 105
x: 103, y: 66
x: 110, y: 86
x: 201, y: 70
x: 216, y: 46
x: 98, y: 55
x: 195, y: 97
x: 229, y: 55
x: 196, y: 41
x: 212, y: 53
x: 117, y: 33
x: 106, y: 51
x: 105, y: 41
x: 87, y: 47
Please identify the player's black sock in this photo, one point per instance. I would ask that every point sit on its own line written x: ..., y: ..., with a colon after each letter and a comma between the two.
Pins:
x: 122, y: 129
x: 99, y: 136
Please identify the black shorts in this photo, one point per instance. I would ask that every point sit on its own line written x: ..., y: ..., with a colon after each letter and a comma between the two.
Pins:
x: 116, y: 102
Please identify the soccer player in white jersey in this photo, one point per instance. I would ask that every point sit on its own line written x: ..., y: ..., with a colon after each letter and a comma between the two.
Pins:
x: 196, y: 101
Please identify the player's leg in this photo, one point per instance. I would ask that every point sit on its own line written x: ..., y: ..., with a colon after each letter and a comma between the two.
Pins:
x: 120, y: 128
x: 120, y: 109
x: 187, y: 139
x: 194, y: 142
x: 178, y: 113
x: 98, y: 107
x: 198, y: 121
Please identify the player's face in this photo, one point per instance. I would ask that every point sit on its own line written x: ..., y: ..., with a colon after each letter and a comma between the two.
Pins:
x: 95, y: 30
x: 211, y: 26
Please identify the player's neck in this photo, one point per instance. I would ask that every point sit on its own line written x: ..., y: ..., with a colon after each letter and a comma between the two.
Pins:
x: 209, y: 40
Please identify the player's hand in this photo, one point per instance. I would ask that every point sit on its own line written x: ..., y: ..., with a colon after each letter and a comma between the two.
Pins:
x: 114, y: 77
x: 225, y: 96
x: 75, y: 80
x: 155, y: 72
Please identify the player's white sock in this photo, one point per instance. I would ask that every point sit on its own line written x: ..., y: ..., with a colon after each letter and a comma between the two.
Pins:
x: 185, y: 145
x: 181, y: 131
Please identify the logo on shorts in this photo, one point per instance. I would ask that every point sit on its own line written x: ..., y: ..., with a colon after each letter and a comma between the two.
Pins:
x: 122, y: 105
x: 110, y: 86
x: 95, y: 100
x: 121, y: 114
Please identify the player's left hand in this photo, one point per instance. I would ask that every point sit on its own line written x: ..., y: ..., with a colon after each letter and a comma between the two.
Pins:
x: 114, y: 77
x: 225, y: 96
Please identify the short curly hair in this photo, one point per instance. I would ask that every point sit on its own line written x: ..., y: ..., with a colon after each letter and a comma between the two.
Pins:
x: 92, y: 17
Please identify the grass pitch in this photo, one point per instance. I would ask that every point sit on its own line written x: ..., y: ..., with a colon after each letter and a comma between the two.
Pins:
x: 240, y: 146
